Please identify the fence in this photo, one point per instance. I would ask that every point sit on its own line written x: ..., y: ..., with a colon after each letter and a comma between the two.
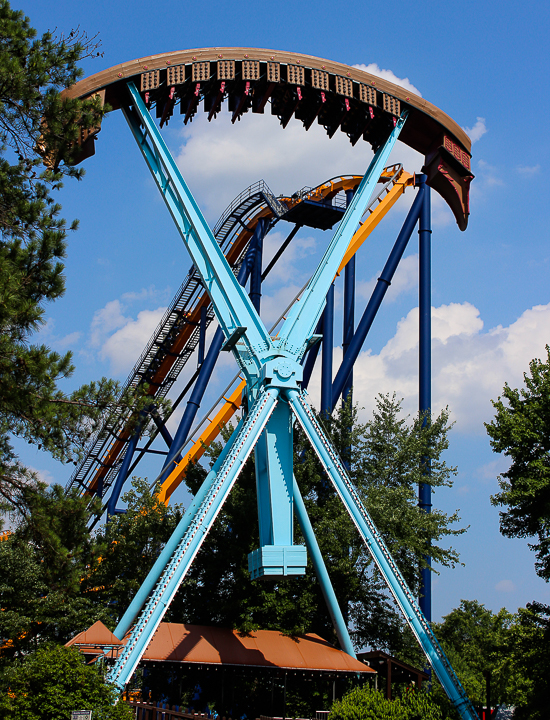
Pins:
x: 162, y: 711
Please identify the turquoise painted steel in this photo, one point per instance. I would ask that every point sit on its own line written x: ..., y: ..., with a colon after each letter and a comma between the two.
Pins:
x: 344, y: 487
x: 305, y: 313
x: 170, y: 547
x: 189, y: 545
x: 232, y: 305
x: 321, y: 572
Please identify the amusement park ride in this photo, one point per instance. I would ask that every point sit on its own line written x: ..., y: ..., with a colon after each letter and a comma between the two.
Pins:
x: 274, y: 370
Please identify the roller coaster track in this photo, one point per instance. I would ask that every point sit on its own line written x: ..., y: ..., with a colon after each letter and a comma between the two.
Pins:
x: 229, y: 402
x: 174, y: 340
x: 177, y: 334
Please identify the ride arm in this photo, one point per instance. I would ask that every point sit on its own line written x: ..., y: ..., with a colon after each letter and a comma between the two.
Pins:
x: 380, y: 554
x: 193, y: 538
x: 380, y: 211
x: 305, y: 314
x: 232, y: 306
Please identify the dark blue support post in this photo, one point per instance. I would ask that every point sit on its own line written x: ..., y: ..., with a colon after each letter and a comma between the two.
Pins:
x: 384, y: 281
x: 328, y: 341
x: 202, y: 336
x: 121, y: 477
x: 349, y: 311
x: 310, y: 357
x: 256, y: 271
x: 425, y: 369
x: 159, y: 422
x: 205, y: 373
x: 194, y: 402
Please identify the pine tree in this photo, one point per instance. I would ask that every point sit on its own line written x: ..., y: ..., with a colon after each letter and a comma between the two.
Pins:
x: 38, y: 127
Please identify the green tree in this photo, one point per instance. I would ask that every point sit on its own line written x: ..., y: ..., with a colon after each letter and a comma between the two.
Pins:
x: 38, y: 125
x: 368, y: 704
x: 521, y: 430
x: 125, y: 548
x: 529, y: 652
x: 43, y: 568
x: 52, y: 682
x: 477, y: 643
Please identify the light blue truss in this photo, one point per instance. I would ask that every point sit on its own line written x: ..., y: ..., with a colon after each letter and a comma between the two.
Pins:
x: 273, y: 375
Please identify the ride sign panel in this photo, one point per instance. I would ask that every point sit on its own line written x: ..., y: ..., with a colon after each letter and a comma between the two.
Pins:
x: 81, y: 715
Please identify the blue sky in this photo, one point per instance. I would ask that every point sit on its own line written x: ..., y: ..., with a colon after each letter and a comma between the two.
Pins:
x: 488, y: 69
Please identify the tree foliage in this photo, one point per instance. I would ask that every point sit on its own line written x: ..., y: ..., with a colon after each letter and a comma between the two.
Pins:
x: 52, y: 682
x: 43, y: 565
x: 125, y: 549
x: 39, y: 125
x: 521, y: 430
x: 477, y: 643
x: 36, y: 122
x: 529, y: 650
x: 368, y: 704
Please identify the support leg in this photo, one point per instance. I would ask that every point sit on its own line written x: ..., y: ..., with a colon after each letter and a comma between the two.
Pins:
x: 425, y: 367
x: 277, y: 555
x: 256, y: 271
x: 321, y: 572
x: 191, y: 542
x: 384, y: 281
x: 122, y: 473
x: 349, y: 313
x: 328, y: 344
x: 380, y: 554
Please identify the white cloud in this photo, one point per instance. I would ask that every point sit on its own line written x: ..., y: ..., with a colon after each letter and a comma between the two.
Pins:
x: 105, y: 321
x: 477, y: 131
x: 488, y: 176
x: 44, y: 476
x: 219, y: 160
x: 469, y: 365
x: 124, y: 347
x: 528, y: 171
x: 390, y: 76
x: 506, y: 586
x: 404, y: 280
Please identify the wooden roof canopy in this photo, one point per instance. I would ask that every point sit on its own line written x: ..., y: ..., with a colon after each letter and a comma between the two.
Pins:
x: 338, y: 96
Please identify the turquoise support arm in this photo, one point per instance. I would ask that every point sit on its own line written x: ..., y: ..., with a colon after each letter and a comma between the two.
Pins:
x: 162, y: 560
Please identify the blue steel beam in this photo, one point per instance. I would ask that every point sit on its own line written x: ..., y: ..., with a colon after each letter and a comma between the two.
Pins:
x: 256, y: 269
x: 233, y: 308
x: 305, y: 313
x: 380, y: 554
x: 425, y: 368
x: 384, y: 281
x: 190, y: 543
x: 202, y: 336
x: 326, y: 355
x: 321, y: 572
x: 122, y: 473
x: 349, y: 314
x: 159, y: 422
